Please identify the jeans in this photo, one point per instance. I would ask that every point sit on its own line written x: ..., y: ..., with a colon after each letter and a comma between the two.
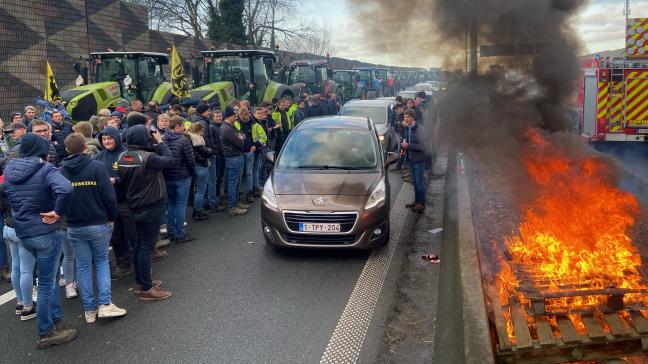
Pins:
x: 4, y: 261
x: 216, y: 171
x: 255, y: 168
x: 202, y: 174
x: 147, y: 223
x: 248, y: 168
x: 47, y: 251
x: 417, y: 171
x: 90, y: 244
x: 263, y: 169
x: 177, y: 197
x: 124, y: 231
x: 22, y: 268
x: 68, y: 256
x: 233, y: 169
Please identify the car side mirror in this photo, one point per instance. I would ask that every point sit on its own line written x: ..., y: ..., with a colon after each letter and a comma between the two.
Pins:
x: 391, y: 158
x: 270, y: 157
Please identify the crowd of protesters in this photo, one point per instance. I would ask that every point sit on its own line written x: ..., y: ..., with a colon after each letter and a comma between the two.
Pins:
x: 125, y: 179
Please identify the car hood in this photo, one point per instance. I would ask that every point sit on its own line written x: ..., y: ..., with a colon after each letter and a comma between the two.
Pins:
x: 309, y: 183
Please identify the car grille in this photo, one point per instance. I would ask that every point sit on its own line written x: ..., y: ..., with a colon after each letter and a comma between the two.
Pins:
x: 323, y: 239
x: 346, y: 220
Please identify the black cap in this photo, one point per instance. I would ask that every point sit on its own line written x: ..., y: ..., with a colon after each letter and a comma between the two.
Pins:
x: 228, y: 112
x: 14, y: 126
x: 421, y: 94
x: 135, y: 118
x: 202, y: 108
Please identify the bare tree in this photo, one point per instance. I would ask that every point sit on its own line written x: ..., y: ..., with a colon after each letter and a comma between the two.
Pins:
x: 272, y: 22
x: 187, y: 17
x: 319, y: 43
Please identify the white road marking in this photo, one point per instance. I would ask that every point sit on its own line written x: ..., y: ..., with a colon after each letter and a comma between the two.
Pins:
x: 351, y: 329
x: 7, y: 297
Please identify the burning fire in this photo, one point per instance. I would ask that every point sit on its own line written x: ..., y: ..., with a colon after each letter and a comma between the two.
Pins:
x: 573, y: 235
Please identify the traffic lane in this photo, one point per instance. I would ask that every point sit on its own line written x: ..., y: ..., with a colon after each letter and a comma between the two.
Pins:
x: 233, y: 301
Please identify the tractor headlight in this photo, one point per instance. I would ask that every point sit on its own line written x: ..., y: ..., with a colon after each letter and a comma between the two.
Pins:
x: 128, y: 81
x: 79, y: 81
x: 381, y: 138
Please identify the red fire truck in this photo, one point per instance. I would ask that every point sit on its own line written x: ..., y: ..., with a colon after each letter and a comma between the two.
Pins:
x: 613, y: 94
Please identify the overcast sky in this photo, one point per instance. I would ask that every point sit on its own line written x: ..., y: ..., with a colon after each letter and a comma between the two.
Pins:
x: 600, y: 25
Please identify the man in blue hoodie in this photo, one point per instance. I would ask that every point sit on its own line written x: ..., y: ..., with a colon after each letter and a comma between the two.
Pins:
x: 39, y: 195
x: 90, y: 221
x: 124, y: 228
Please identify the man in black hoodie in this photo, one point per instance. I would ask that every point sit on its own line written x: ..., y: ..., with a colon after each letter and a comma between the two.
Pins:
x: 90, y: 220
x: 124, y: 228
x: 140, y: 171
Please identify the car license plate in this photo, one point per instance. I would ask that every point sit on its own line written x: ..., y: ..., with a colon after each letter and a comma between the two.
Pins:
x: 319, y: 228
x: 642, y: 131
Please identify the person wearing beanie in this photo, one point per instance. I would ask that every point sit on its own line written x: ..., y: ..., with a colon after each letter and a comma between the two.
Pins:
x: 39, y: 195
x: 416, y: 149
x: 140, y: 172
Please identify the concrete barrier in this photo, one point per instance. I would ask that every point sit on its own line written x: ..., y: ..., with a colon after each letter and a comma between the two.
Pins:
x: 463, y: 334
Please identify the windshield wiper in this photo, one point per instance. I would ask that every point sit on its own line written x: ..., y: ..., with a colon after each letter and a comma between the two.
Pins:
x: 333, y: 167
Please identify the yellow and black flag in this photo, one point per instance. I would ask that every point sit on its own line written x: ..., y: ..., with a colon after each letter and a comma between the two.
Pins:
x: 52, y: 93
x: 178, y: 79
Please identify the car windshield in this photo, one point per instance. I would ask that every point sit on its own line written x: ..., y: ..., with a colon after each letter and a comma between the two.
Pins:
x: 376, y: 114
x: 303, y: 74
x: 408, y: 94
x: 329, y: 149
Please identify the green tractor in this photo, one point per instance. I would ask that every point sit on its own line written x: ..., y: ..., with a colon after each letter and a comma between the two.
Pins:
x: 118, y: 75
x: 350, y: 84
x: 239, y: 74
x: 313, y: 77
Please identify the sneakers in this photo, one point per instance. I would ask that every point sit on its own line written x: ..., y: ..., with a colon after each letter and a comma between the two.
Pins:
x: 91, y: 316
x: 71, y: 290
x: 217, y: 208
x: 62, y: 282
x: 199, y: 216
x: 120, y: 273
x: 242, y: 205
x: 418, y: 208
x: 410, y: 205
x: 19, y: 309
x: 110, y: 310
x: 154, y: 294
x: 137, y: 289
x: 28, y: 314
x: 250, y: 197
x: 163, y: 229
x: 162, y: 243
x: 5, y: 274
x: 159, y: 255
x: 237, y: 211
x: 187, y: 238
x: 56, y: 337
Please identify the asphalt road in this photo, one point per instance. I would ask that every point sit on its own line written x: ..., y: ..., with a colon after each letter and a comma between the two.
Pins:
x: 235, y: 300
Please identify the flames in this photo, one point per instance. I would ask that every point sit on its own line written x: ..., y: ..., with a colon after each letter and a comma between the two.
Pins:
x: 573, y: 236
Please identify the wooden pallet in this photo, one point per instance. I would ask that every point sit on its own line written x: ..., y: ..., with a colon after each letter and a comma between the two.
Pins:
x: 605, y: 337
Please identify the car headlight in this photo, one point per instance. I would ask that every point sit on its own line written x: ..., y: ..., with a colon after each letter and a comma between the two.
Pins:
x: 381, y: 138
x: 268, y: 194
x: 377, y: 196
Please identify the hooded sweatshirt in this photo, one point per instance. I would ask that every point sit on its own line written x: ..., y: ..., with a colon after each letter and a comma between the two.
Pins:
x: 93, y: 197
x: 109, y: 159
x: 34, y: 186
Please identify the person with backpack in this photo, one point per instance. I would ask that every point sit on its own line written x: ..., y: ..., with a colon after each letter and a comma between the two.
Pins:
x: 140, y: 171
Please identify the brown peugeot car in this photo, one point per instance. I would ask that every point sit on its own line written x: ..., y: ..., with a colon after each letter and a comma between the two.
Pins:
x: 329, y: 187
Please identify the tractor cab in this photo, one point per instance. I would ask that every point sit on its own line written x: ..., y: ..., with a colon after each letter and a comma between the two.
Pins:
x: 368, y: 82
x: 240, y: 74
x: 348, y: 81
x: 116, y: 76
x: 312, y: 76
x: 138, y: 74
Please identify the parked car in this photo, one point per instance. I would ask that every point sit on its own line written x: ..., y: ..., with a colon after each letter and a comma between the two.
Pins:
x: 381, y: 112
x: 329, y: 187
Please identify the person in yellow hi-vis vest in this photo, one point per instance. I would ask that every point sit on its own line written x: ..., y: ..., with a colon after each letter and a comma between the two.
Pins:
x: 253, y: 144
x: 284, y: 123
